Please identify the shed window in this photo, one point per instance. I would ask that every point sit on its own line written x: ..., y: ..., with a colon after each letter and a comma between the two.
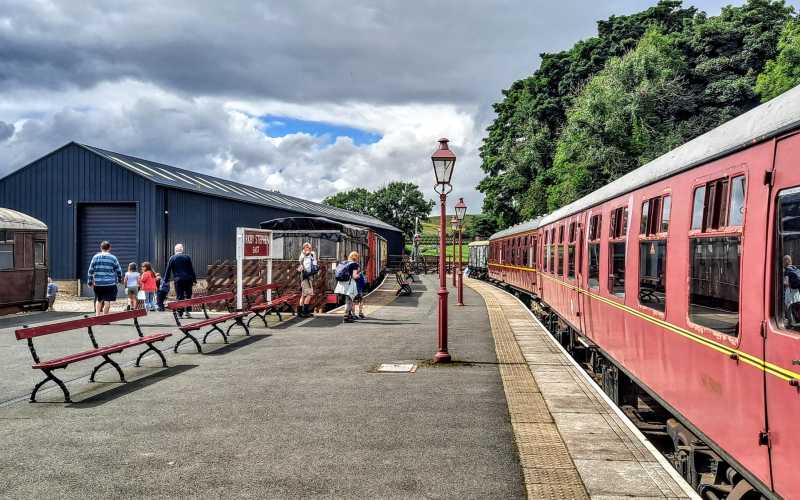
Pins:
x: 6, y: 256
x: 327, y: 249
x: 714, y: 283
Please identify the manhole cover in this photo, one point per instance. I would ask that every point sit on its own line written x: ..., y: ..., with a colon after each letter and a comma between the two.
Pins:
x: 397, y: 368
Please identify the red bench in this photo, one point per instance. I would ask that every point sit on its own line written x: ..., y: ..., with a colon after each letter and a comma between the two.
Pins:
x: 257, y: 304
x: 187, y: 329
x: 29, y: 333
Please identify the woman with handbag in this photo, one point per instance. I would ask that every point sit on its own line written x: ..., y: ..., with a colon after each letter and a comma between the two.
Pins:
x: 308, y: 268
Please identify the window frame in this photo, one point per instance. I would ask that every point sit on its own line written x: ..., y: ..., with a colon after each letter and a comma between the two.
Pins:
x: 778, y: 249
x: 618, y: 233
x: 716, y: 216
x: 593, y: 238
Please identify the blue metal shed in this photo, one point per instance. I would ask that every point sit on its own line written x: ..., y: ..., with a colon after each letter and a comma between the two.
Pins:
x: 85, y: 194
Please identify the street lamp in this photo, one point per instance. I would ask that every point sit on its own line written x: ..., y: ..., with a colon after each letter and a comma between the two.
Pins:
x: 454, y: 225
x: 461, y: 211
x: 444, y: 161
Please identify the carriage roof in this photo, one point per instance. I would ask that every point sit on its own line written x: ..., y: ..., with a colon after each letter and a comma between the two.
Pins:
x: 11, y: 219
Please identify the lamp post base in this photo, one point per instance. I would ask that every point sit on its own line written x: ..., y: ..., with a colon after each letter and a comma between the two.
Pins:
x: 441, y: 357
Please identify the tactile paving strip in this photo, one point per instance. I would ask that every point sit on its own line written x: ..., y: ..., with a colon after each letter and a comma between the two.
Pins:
x: 548, y: 470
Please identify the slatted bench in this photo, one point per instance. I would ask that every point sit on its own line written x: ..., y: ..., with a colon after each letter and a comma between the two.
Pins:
x: 258, y: 304
x: 98, y: 351
x: 213, y: 322
x: 405, y: 287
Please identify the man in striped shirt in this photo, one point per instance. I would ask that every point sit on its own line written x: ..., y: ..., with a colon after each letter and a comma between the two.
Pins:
x: 104, y: 274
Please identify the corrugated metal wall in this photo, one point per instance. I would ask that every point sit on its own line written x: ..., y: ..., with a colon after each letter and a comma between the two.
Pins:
x: 71, y: 173
x: 206, y: 225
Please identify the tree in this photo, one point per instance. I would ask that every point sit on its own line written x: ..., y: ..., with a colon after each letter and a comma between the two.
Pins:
x: 783, y: 72
x: 355, y: 200
x: 483, y: 226
x: 399, y: 204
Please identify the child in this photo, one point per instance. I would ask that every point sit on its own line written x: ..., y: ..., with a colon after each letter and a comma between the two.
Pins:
x: 361, y: 283
x: 52, y: 291
x: 149, y: 286
x: 163, y: 291
x: 132, y: 284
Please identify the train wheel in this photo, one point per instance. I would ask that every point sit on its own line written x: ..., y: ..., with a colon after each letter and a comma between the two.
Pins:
x: 744, y: 491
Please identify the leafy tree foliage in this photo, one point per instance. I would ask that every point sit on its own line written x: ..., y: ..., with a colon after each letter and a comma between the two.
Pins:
x: 482, y: 226
x: 783, y: 72
x: 644, y: 84
x: 397, y: 203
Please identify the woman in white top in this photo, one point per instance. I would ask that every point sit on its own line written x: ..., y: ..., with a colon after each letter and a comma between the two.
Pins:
x: 308, y: 268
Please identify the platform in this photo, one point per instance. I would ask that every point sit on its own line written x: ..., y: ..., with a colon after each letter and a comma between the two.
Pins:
x: 299, y: 410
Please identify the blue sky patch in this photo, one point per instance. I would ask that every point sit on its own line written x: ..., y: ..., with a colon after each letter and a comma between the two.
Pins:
x: 279, y: 126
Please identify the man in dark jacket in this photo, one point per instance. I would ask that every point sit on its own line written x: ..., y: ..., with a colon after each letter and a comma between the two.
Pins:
x: 180, y: 267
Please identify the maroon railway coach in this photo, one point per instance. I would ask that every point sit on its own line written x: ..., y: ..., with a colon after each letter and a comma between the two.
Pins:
x: 23, y: 262
x: 678, y: 273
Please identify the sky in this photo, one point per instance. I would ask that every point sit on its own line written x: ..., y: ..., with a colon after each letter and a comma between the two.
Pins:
x: 309, y: 97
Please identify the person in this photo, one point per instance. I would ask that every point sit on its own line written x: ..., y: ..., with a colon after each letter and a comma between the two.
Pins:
x: 347, y: 287
x: 161, y: 294
x: 103, y: 276
x: 307, y: 268
x: 132, y: 284
x: 149, y: 286
x: 361, y: 285
x: 180, y: 267
x: 791, y: 291
x: 52, y: 291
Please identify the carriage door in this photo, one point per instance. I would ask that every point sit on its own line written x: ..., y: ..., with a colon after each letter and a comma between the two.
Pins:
x: 783, y: 313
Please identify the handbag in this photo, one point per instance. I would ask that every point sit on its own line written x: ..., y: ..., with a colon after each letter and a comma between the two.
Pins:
x: 141, y: 295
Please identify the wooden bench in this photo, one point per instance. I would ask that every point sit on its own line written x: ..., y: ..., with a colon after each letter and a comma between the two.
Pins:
x: 29, y: 333
x: 257, y: 302
x: 213, y: 322
x: 405, y: 286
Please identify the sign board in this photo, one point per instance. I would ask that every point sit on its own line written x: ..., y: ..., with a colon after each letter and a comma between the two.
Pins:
x: 252, y: 244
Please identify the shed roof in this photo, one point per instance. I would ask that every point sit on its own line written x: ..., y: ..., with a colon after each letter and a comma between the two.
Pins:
x: 11, y: 219
x: 170, y: 176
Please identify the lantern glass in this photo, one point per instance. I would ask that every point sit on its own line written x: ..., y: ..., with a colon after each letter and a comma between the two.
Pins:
x: 454, y: 223
x: 444, y: 162
x: 461, y: 209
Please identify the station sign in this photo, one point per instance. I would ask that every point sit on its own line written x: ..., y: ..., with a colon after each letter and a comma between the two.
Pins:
x: 252, y: 244
x: 256, y: 243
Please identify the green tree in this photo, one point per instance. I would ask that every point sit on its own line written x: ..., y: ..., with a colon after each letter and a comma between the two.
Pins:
x: 399, y: 204
x: 783, y: 72
x: 483, y: 226
x: 625, y: 116
x: 355, y: 200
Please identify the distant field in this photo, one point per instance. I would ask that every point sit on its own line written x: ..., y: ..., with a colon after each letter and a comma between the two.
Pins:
x: 431, y: 226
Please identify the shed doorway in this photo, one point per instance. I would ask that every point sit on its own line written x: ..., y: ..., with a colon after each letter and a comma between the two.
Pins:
x: 114, y: 222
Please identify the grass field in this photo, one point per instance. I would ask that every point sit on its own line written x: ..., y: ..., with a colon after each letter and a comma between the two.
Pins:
x: 430, y: 228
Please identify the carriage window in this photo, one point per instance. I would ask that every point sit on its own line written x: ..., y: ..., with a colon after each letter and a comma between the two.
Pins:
x: 788, y: 251
x: 652, y: 274
x: 616, y: 280
x: 594, y: 265
x: 560, y: 270
x: 697, y: 208
x: 666, y: 209
x: 737, y: 201
x: 594, y: 228
x: 6, y: 256
x: 645, y: 217
x: 38, y: 253
x: 714, y: 283
x: 571, y: 252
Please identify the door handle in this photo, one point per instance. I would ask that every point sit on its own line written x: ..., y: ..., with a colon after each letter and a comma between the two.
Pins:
x: 796, y: 362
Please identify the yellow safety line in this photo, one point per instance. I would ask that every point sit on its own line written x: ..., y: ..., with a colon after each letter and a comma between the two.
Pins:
x: 745, y: 357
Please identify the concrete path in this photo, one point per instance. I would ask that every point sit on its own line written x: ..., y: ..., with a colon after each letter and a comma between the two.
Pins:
x: 296, y: 411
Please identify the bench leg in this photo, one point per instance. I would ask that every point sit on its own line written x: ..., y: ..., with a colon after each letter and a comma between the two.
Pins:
x: 239, y: 322
x: 215, y: 327
x: 263, y: 318
x: 280, y: 318
x: 49, y: 376
x: 107, y: 360
x: 151, y: 347
x: 187, y: 336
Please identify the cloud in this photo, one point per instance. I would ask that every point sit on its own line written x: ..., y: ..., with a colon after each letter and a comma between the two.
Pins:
x: 188, y: 82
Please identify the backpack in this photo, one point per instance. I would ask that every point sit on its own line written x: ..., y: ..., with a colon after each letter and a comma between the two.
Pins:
x: 343, y: 271
x: 794, y: 277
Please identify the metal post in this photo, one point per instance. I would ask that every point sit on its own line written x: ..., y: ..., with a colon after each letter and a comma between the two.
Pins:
x: 460, y: 271
x: 442, y: 356
x: 453, y: 259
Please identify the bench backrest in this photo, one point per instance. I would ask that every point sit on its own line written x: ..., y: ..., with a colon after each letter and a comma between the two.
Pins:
x: 260, y: 289
x: 74, y: 324
x: 208, y: 299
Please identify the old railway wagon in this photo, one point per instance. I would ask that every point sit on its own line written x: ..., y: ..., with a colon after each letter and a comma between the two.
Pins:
x: 23, y: 262
x: 677, y: 279
x: 478, y: 259
x: 332, y: 241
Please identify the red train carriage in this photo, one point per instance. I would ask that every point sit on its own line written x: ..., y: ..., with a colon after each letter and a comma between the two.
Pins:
x: 682, y: 273
x: 23, y: 262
